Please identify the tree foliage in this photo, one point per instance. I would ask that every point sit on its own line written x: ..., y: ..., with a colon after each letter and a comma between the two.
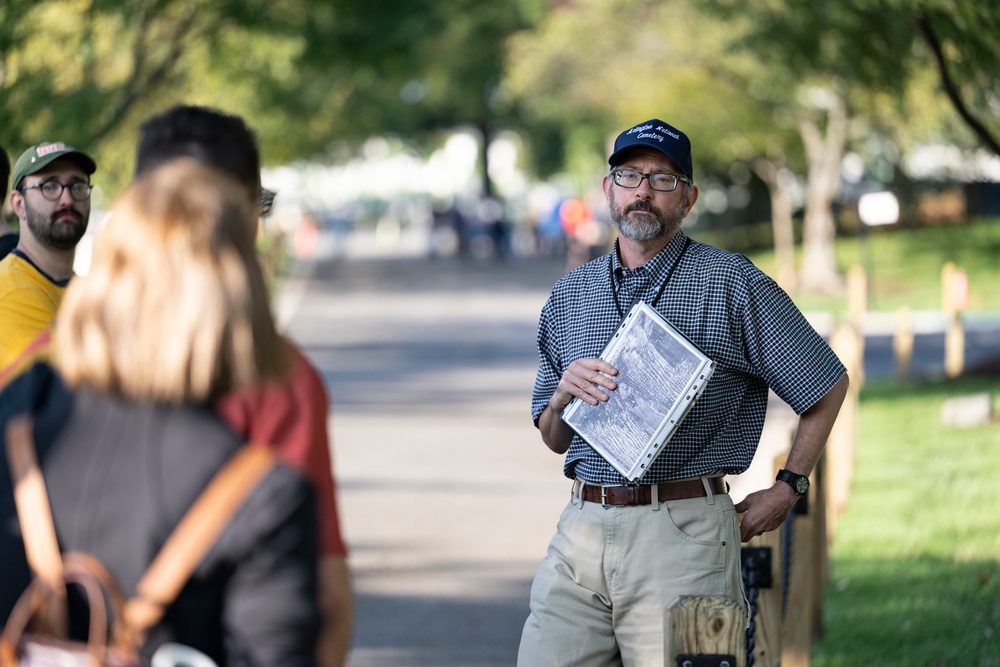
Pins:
x: 743, y: 80
x: 961, y: 39
x: 304, y: 73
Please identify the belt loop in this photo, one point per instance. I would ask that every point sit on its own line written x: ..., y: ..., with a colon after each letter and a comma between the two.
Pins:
x: 604, y: 496
x: 709, y: 491
x: 578, y: 485
x: 654, y: 497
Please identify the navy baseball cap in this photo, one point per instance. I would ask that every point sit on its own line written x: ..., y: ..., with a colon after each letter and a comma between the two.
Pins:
x: 659, y: 136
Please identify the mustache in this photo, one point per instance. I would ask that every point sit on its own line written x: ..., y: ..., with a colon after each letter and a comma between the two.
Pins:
x: 642, y: 205
x: 76, y: 215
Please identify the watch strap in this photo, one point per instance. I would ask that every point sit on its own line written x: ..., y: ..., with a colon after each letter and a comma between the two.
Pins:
x: 799, y: 483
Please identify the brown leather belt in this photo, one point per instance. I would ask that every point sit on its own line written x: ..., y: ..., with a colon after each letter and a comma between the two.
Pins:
x: 641, y: 494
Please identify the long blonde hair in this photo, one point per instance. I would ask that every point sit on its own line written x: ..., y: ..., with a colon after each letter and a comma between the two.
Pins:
x: 175, y: 307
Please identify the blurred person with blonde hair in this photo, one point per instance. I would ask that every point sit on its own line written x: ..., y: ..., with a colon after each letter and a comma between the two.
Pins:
x: 173, y: 315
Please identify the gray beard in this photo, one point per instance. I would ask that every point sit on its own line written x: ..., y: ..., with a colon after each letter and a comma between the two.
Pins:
x: 642, y: 230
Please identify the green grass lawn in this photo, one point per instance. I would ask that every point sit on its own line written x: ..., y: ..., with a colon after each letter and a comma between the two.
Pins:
x: 915, y: 564
x: 905, y: 266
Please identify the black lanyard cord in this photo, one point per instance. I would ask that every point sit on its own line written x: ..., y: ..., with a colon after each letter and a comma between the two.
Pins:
x: 638, y: 292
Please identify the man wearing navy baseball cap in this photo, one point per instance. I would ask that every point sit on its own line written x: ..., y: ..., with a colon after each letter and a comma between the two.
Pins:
x: 50, y: 195
x: 624, y: 551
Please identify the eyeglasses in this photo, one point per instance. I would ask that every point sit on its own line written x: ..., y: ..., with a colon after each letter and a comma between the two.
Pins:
x: 53, y: 190
x: 661, y: 182
x: 266, y: 201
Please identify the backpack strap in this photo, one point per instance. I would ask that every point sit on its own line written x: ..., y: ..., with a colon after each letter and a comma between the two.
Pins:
x: 183, y: 551
x: 35, y: 517
x: 195, y: 535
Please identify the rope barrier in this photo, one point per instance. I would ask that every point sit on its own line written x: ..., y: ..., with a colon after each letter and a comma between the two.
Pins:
x: 751, y: 580
x: 787, y: 540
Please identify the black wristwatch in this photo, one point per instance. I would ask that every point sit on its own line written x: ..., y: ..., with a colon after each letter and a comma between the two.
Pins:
x: 799, y: 483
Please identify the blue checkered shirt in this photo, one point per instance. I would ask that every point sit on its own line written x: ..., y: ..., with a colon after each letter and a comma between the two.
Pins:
x: 734, y: 312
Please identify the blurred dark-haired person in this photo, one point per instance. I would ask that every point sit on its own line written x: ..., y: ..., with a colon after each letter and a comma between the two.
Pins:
x: 8, y: 237
x: 173, y: 315
x: 50, y: 195
x: 291, y: 415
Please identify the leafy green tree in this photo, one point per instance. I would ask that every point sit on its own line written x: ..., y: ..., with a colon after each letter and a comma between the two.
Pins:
x: 672, y: 62
x: 305, y: 73
x: 87, y: 72
x: 413, y: 68
x: 819, y: 74
x: 785, y: 86
x: 961, y: 39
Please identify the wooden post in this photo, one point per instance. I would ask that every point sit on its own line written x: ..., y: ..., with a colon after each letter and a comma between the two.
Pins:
x: 954, y: 347
x: 767, y: 637
x: 902, y: 343
x: 857, y: 295
x: 713, y: 625
x: 820, y: 542
x: 840, y: 446
x: 848, y: 343
x: 954, y: 295
x: 804, y: 612
x: 947, y: 288
x: 839, y: 459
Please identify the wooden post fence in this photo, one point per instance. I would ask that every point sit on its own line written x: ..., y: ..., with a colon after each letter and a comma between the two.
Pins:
x: 902, y: 343
x: 954, y: 297
x: 705, y: 626
x: 839, y: 452
x: 807, y: 565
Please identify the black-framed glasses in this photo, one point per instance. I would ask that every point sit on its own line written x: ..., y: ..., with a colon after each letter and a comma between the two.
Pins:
x: 266, y: 202
x: 53, y: 190
x: 661, y: 182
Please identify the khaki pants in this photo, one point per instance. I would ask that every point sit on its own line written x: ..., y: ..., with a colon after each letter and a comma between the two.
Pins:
x: 601, y: 594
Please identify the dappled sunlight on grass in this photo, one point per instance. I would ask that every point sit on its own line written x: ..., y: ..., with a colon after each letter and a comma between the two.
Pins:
x: 911, y: 611
x: 915, y: 564
x: 905, y: 266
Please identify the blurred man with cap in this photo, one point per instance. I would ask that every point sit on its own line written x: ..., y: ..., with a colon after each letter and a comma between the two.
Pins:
x: 623, y: 551
x: 50, y: 195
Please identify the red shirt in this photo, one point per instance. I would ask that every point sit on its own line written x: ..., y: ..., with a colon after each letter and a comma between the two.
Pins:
x: 289, y: 416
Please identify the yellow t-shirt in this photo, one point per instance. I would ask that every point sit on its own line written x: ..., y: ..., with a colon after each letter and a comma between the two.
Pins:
x: 28, y: 303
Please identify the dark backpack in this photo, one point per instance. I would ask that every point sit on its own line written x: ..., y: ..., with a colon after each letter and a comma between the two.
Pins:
x: 35, y: 634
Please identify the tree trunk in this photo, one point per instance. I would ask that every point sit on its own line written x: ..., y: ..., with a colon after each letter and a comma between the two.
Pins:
x: 487, y: 183
x: 819, y: 263
x: 776, y: 178
x: 950, y: 88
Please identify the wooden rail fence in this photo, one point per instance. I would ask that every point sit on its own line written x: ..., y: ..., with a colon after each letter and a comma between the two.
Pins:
x: 711, y: 631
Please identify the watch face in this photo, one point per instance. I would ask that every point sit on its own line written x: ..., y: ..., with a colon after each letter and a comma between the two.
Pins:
x: 802, y: 485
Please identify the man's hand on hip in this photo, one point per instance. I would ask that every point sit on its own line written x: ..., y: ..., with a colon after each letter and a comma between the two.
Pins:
x: 765, y: 510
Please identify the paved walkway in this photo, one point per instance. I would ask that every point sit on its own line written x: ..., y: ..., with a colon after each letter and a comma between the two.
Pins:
x: 448, y: 496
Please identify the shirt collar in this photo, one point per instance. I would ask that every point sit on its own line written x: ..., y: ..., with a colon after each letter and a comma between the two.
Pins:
x: 22, y: 255
x: 658, y: 266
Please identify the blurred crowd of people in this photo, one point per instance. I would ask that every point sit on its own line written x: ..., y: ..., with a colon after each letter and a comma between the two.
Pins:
x: 143, y: 377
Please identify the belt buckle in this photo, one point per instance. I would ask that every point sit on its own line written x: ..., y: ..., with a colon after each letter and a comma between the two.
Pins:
x: 604, y: 496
